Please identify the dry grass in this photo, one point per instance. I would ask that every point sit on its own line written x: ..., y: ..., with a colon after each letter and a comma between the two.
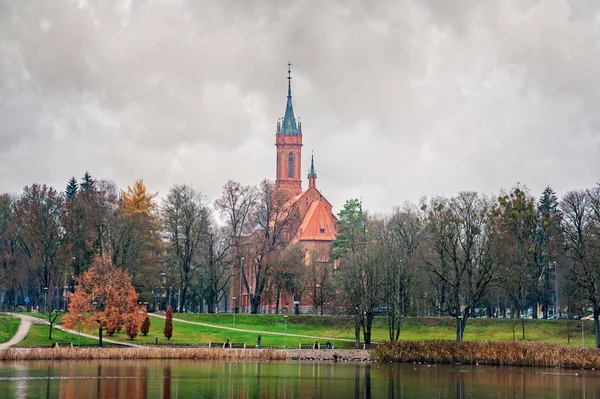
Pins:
x: 141, y: 353
x: 488, y: 353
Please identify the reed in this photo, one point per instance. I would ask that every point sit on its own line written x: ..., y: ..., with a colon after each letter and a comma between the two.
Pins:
x: 75, y: 353
x: 494, y: 353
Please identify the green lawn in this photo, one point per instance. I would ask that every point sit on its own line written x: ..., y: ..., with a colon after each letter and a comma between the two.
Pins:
x: 413, y: 328
x: 38, y: 336
x: 189, y: 334
x: 8, y: 327
x: 338, y: 328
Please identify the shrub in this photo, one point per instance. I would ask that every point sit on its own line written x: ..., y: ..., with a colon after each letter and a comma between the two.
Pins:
x: 169, y: 323
x: 145, y: 329
x: 488, y: 353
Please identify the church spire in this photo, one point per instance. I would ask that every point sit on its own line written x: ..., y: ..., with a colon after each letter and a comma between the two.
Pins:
x: 312, y: 175
x: 288, y: 126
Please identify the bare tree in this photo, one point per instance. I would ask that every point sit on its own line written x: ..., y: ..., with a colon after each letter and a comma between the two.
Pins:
x: 360, y: 280
x: 401, y: 236
x: 237, y: 206
x: 215, y: 270
x: 462, y: 258
x: 185, y: 225
x: 319, y: 277
x: 276, y: 219
x: 582, y: 249
x: 38, y: 213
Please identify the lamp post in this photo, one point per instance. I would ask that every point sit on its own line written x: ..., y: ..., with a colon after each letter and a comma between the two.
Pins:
x: 582, y: 335
x: 45, y: 299
x: 241, y: 268
x: 284, y: 331
x: 233, y: 308
x: 556, y: 310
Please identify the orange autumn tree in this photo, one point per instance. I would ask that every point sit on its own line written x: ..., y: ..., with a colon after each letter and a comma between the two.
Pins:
x: 105, y: 299
x: 137, y: 199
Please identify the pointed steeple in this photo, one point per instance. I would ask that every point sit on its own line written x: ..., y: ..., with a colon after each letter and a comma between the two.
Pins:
x: 312, y: 175
x: 312, y: 172
x: 289, y: 125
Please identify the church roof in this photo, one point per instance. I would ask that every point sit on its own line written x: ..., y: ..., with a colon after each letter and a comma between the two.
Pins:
x: 289, y: 127
x: 317, y: 224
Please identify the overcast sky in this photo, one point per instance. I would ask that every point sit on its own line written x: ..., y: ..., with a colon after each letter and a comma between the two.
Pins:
x: 398, y: 99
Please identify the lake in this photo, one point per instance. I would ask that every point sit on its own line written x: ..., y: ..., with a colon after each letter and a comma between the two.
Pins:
x: 215, y: 379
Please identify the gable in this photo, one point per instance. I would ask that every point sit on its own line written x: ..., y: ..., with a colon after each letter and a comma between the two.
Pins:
x: 318, y: 224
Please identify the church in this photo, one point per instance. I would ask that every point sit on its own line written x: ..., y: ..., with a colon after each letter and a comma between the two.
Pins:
x: 317, y: 227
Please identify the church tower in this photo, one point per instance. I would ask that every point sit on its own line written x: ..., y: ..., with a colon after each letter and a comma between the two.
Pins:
x: 288, y: 140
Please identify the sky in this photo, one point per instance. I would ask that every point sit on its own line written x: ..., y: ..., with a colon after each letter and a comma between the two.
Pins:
x: 398, y: 99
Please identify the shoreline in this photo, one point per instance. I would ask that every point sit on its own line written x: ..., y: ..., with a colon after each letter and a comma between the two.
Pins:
x: 479, y: 353
x: 250, y: 354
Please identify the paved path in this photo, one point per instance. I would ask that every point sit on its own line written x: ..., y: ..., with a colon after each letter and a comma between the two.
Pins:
x: 252, y: 331
x: 27, y: 321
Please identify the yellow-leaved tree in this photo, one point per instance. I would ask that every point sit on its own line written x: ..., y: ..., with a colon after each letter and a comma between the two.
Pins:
x: 135, y: 241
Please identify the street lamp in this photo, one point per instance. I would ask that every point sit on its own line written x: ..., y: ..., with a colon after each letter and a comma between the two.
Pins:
x: 233, y: 308
x: 241, y: 268
x: 45, y: 299
x: 284, y: 331
x: 556, y: 310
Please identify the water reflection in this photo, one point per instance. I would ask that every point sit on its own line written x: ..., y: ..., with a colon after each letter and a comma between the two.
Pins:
x: 213, y: 379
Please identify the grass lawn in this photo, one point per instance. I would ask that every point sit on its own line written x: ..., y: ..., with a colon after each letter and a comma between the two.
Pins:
x: 8, y: 327
x: 189, y: 334
x: 338, y: 328
x: 413, y: 328
x: 38, y: 336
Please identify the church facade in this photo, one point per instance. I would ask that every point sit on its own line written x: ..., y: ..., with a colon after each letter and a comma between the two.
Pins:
x: 317, y: 225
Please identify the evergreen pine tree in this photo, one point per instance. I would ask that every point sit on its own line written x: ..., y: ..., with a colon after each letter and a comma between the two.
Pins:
x: 71, y: 188
x: 87, y: 182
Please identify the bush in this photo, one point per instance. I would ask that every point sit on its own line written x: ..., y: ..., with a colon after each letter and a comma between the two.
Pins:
x: 146, y: 326
x: 169, y: 323
x: 488, y: 353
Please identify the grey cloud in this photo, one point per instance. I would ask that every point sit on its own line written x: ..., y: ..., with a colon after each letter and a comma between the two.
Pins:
x: 397, y: 99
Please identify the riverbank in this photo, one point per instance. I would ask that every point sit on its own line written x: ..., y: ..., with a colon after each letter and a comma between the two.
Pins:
x: 491, y: 353
x: 74, y: 353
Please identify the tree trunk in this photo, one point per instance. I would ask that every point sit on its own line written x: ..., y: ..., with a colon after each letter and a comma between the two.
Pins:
x: 398, y: 327
x: 210, y: 304
x: 278, y: 296
x: 181, y: 298
x: 356, y: 335
x: 254, y: 304
x: 458, y: 329
x: 368, y: 323
x: 597, y: 329
x: 100, y: 336
x: 523, y: 327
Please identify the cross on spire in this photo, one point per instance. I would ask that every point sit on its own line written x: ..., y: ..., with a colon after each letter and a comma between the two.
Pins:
x: 289, y: 79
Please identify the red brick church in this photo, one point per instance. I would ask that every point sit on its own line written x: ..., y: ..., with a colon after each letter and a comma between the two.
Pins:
x: 317, y: 229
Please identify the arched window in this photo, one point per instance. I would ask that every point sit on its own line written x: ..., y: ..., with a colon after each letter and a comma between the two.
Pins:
x: 291, y: 165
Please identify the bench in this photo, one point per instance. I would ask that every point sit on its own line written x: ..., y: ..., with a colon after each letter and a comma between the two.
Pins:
x: 231, y: 345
